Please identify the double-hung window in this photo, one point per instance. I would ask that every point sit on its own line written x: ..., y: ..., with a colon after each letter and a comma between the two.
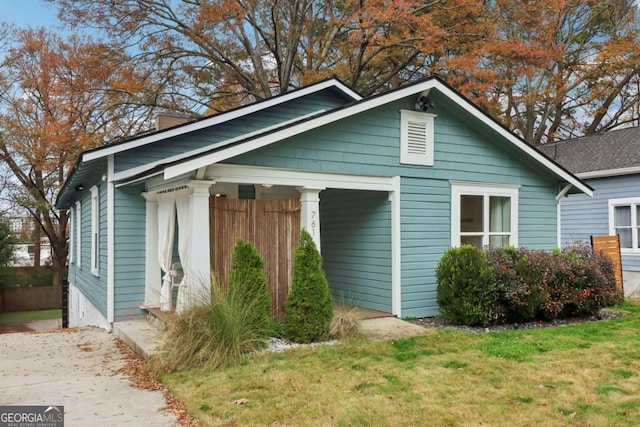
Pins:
x: 624, y: 220
x: 484, y: 214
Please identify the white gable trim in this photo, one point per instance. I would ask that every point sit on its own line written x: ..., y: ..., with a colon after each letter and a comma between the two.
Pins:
x: 221, y: 118
x: 342, y: 113
x: 124, y: 175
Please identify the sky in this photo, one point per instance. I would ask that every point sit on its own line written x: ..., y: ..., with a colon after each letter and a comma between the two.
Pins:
x: 24, y: 13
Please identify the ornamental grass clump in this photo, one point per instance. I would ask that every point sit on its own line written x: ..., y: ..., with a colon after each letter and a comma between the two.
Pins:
x: 215, y: 334
x: 309, y: 309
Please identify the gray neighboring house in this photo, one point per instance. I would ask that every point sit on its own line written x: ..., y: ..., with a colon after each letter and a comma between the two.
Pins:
x: 610, y: 163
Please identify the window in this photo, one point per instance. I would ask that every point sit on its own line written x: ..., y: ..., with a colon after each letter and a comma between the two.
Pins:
x: 95, y: 230
x: 416, y: 138
x: 72, y: 218
x: 78, y: 218
x: 484, y: 215
x: 624, y: 220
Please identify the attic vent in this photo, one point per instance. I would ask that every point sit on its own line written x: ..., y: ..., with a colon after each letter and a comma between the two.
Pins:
x: 416, y: 139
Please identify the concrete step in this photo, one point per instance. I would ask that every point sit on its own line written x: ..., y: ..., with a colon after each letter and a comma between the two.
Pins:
x: 140, y: 335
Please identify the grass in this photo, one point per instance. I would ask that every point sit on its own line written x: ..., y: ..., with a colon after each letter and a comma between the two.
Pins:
x: 582, y: 374
x: 25, y: 316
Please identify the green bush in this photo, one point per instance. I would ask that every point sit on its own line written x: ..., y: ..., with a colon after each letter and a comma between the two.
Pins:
x: 6, y: 243
x: 212, y: 335
x: 308, y: 309
x: 247, y: 280
x: 467, y: 290
x: 478, y: 286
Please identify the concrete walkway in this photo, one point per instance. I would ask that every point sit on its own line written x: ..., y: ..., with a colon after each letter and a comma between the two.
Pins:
x: 77, y: 369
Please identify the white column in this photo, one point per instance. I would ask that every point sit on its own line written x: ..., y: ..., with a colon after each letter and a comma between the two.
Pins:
x: 310, y: 212
x: 199, y: 257
x: 152, y: 276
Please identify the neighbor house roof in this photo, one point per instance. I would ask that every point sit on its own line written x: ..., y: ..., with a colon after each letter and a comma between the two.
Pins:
x: 616, y: 152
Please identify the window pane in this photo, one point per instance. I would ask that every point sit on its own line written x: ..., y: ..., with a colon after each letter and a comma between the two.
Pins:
x: 498, y: 241
x: 471, y: 213
x: 625, y: 237
x: 471, y: 240
x: 500, y: 214
x: 622, y: 216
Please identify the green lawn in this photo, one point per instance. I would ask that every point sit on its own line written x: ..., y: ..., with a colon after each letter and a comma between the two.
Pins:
x: 583, y: 374
x: 24, y: 316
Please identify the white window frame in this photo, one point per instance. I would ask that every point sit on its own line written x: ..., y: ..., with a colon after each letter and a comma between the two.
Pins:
x: 635, y: 224
x: 408, y: 118
x: 95, y: 230
x: 72, y: 230
x: 78, y: 230
x: 486, y: 190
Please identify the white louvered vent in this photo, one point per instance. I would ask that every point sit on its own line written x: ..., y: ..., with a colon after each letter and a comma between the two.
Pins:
x: 416, y: 139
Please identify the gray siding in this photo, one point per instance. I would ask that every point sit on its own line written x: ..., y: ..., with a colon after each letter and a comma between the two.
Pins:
x: 129, y: 257
x: 355, y: 232
x: 583, y: 217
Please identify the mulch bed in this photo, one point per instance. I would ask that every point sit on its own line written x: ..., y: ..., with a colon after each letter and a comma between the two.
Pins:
x: 442, y: 322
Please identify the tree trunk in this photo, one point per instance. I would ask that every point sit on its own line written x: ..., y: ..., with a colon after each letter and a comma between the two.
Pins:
x: 37, y: 239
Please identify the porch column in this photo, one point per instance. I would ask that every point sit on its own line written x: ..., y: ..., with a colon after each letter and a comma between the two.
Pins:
x: 199, y: 257
x: 310, y: 212
x: 152, y: 276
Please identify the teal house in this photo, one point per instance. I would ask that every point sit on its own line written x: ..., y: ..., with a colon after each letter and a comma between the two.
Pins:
x: 384, y: 185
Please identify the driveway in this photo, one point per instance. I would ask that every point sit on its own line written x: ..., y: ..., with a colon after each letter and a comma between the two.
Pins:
x: 77, y: 369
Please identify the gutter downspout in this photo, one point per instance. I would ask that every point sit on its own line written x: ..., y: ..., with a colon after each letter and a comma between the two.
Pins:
x: 559, y: 197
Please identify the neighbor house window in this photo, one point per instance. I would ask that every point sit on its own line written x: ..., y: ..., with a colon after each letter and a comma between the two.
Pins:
x: 95, y: 230
x: 624, y: 220
x: 484, y: 215
x: 78, y: 229
x: 416, y: 138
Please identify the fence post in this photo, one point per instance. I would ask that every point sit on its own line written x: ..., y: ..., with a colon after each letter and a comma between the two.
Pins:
x: 65, y: 303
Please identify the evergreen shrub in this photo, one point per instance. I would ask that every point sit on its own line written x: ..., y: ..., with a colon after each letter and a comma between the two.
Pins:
x: 309, y: 308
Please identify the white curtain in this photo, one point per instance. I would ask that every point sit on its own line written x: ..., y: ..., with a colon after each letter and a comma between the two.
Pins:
x: 499, y: 220
x: 187, y: 292
x: 622, y: 225
x: 166, y: 229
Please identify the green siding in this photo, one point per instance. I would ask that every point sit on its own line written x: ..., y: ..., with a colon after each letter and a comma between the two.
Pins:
x: 129, y: 257
x: 355, y: 238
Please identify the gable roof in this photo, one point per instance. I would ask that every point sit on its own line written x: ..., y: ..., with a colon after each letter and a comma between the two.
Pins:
x: 616, y: 152
x: 194, y: 160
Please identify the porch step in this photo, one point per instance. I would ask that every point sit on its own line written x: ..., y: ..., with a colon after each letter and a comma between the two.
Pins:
x: 140, y: 335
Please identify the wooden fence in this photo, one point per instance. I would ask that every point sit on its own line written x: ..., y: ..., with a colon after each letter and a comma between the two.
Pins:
x: 272, y: 226
x: 610, y: 246
x: 30, y: 299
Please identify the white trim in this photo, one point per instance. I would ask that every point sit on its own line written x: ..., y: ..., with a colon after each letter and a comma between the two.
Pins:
x: 123, y: 175
x: 635, y: 224
x: 78, y: 234
x: 252, y: 175
x: 559, y: 223
x: 95, y: 231
x: 342, y: 113
x: 110, y: 241
x: 221, y: 118
x: 424, y: 134
x: 563, y: 192
x: 459, y: 189
x: 396, y: 248
x: 72, y: 231
x: 609, y: 172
